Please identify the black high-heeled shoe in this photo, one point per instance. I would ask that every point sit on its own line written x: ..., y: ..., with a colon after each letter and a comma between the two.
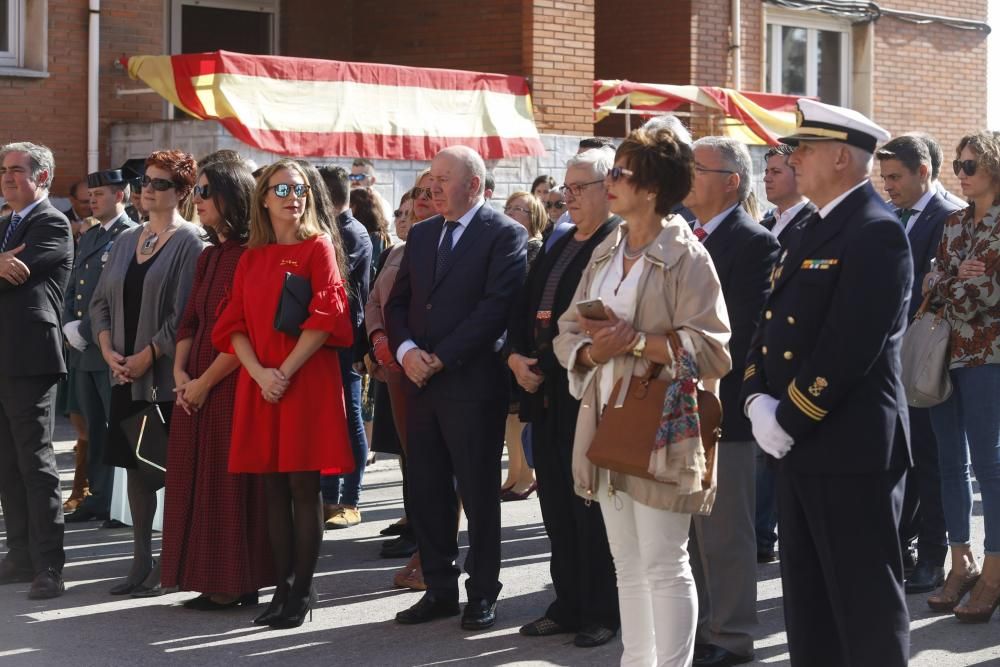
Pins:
x: 130, y: 585
x: 293, y: 614
x: 272, y: 611
x: 206, y: 603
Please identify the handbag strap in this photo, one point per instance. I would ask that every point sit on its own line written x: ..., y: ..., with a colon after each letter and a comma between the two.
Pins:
x: 152, y: 369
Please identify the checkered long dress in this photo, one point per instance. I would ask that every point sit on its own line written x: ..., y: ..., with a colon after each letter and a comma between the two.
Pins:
x: 214, y: 528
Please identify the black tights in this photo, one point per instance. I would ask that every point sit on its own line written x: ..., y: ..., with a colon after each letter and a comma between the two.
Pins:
x: 295, y: 527
x: 142, y: 504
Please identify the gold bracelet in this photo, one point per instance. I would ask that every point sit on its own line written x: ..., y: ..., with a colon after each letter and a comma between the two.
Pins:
x: 589, y: 357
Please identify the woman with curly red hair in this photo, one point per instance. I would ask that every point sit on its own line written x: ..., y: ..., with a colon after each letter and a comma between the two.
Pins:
x: 135, y: 311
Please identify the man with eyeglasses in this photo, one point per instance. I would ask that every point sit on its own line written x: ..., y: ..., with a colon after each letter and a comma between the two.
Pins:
x: 824, y: 394
x: 109, y: 193
x: 36, y: 256
x: 905, y: 165
x: 723, y: 546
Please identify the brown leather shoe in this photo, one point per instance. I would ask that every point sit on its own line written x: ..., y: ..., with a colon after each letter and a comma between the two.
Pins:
x: 981, y: 604
x: 955, y: 587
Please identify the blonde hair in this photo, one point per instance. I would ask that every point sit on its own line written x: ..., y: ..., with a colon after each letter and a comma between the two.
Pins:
x: 261, y: 229
x: 538, y: 217
x: 986, y: 145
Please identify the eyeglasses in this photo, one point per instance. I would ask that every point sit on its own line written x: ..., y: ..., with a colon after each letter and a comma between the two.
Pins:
x: 421, y: 192
x: 519, y: 209
x: 282, y: 190
x: 705, y: 170
x: 617, y: 173
x: 203, y: 191
x: 557, y: 205
x: 577, y: 188
x: 968, y: 166
x: 357, y: 178
x: 398, y: 213
x: 159, y: 184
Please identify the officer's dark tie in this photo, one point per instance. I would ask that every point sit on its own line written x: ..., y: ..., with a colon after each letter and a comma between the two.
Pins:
x: 904, y: 215
x: 15, y: 220
x: 445, y: 249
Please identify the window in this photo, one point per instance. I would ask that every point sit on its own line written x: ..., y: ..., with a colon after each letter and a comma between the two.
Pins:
x: 244, y: 26
x: 11, y: 27
x: 808, y: 56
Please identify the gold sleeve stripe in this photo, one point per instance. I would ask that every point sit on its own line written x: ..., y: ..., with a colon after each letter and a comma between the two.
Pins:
x: 749, y: 372
x: 807, y: 407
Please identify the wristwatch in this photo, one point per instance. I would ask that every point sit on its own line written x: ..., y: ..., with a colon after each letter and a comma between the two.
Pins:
x: 640, y: 346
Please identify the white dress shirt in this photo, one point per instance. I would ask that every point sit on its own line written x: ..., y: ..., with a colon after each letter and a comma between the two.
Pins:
x: 825, y: 211
x: 782, y: 220
x: 463, y: 223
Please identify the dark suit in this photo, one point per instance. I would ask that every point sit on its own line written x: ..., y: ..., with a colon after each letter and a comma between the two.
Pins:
x: 788, y: 235
x: 828, y: 350
x: 723, y: 545
x: 455, y: 423
x: 93, y: 384
x: 31, y: 362
x: 923, y: 514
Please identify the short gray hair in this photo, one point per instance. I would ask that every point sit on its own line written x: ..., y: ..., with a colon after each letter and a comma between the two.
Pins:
x: 472, y: 161
x: 40, y: 157
x: 735, y: 155
x: 600, y: 160
x: 670, y: 122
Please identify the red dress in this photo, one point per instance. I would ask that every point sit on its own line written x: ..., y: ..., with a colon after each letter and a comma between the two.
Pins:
x: 214, y: 522
x: 307, y: 428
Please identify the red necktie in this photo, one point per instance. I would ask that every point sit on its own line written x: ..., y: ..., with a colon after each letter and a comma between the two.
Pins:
x: 700, y: 233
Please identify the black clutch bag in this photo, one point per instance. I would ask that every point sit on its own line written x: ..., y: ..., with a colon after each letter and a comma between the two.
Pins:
x: 293, y: 306
x: 147, y: 432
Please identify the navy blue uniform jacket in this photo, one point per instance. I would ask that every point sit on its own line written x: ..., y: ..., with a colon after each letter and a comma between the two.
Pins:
x: 460, y: 316
x: 828, y: 346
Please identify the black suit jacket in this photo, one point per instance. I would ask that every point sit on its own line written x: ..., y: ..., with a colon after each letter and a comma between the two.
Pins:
x: 924, y: 239
x: 828, y: 346
x: 31, y: 341
x: 744, y: 254
x: 460, y: 315
x: 788, y: 236
x: 358, y: 248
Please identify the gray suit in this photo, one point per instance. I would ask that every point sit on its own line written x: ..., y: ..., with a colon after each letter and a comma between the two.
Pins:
x: 93, y: 386
x: 31, y: 362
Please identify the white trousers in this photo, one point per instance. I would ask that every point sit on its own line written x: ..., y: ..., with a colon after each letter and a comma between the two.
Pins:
x: 656, y: 590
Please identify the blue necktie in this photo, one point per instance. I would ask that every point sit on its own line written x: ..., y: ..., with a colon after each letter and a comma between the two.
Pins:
x: 15, y: 220
x: 444, y: 250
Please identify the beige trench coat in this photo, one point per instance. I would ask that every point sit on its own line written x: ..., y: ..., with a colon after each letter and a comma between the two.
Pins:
x: 678, y: 289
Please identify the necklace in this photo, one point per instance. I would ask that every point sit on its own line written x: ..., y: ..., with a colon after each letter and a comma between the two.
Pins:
x: 149, y: 245
x: 632, y: 256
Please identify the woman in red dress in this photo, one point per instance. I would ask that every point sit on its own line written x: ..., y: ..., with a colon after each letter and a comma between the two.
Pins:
x: 288, y: 418
x: 215, y: 535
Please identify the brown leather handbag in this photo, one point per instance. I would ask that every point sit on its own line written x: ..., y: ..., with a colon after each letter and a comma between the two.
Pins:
x: 626, y: 435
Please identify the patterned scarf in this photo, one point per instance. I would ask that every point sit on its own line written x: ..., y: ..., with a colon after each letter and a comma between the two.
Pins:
x: 679, y: 434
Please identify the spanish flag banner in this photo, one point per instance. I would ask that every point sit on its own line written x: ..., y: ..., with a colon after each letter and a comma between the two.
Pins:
x: 307, y: 107
x: 753, y: 118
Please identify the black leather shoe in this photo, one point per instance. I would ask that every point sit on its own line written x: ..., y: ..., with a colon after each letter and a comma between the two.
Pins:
x: 110, y: 524
x: 925, y: 578
x: 765, y: 556
x: 47, y: 584
x: 12, y: 573
x: 428, y: 608
x: 593, y: 635
x: 83, y: 514
x: 710, y: 655
x: 479, y: 614
x: 543, y: 627
x: 401, y: 547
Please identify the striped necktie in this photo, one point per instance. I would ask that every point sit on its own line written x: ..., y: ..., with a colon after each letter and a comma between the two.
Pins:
x: 15, y: 220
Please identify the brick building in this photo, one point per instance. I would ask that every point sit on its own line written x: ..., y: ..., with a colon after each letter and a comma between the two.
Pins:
x: 929, y: 76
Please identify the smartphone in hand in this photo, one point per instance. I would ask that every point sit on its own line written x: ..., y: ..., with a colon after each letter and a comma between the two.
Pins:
x: 592, y: 310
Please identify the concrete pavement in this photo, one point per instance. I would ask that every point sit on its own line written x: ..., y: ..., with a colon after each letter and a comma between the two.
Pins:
x: 353, y: 622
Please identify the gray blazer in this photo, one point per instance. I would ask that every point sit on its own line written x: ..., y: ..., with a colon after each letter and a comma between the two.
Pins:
x: 165, y: 294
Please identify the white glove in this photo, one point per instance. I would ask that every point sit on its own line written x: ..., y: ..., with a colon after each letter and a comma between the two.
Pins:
x: 766, y: 429
x: 72, y: 332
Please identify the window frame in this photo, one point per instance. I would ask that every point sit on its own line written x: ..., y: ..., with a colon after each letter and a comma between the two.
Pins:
x: 775, y: 19
x: 13, y: 57
x: 272, y: 7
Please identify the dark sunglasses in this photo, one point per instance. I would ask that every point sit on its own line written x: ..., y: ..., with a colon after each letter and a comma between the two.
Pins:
x: 557, y: 205
x: 203, y: 191
x: 357, y: 178
x: 398, y: 213
x: 617, y: 173
x: 421, y: 192
x: 282, y: 190
x: 159, y: 184
x: 968, y: 166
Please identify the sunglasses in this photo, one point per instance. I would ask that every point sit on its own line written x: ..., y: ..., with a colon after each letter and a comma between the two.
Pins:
x: 519, y: 209
x: 617, y: 173
x: 398, y: 213
x: 203, y: 191
x: 968, y: 166
x: 557, y: 205
x: 357, y: 178
x: 159, y: 184
x: 421, y: 192
x: 282, y: 190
